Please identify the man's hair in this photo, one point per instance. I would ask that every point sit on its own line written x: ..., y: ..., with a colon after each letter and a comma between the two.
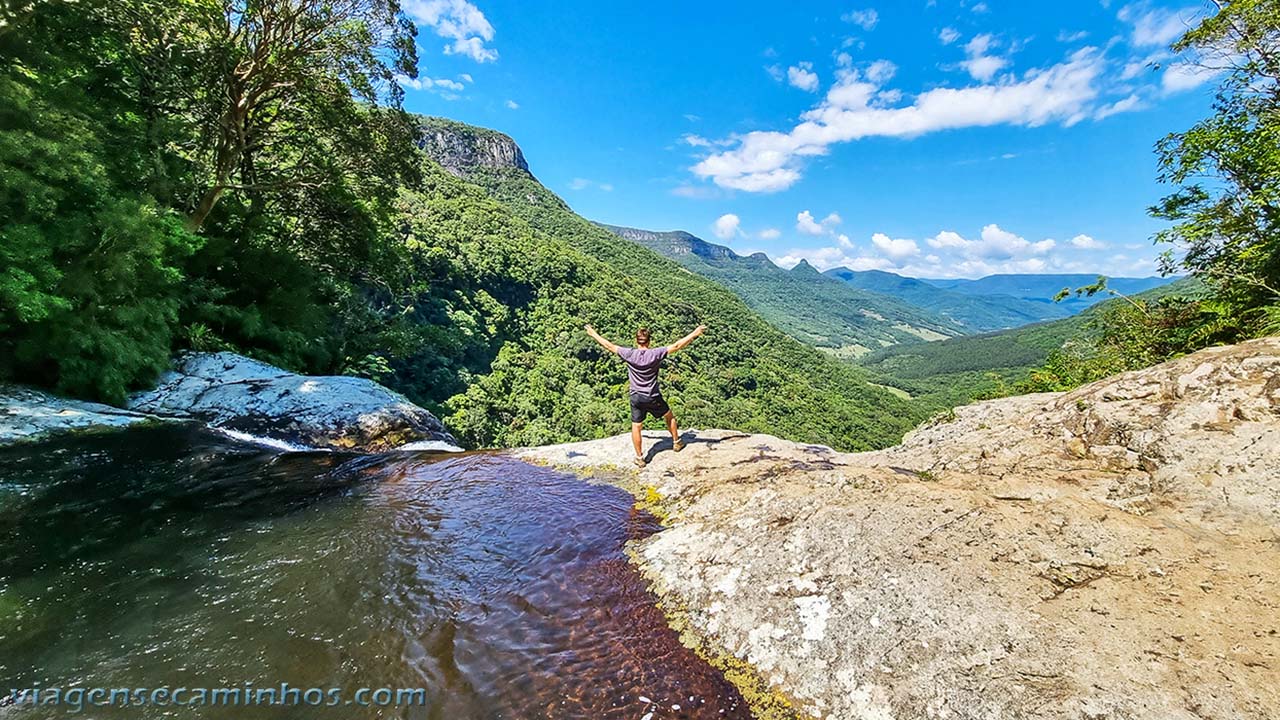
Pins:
x: 642, y: 336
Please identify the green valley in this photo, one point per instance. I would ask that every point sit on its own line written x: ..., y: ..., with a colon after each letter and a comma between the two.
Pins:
x: 811, y: 307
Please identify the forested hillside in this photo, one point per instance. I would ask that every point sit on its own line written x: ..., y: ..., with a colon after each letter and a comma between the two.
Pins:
x: 242, y: 177
x: 811, y: 307
x: 976, y: 312
x: 956, y: 371
x: 549, y: 381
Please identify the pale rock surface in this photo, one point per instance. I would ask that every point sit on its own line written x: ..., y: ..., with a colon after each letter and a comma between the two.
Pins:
x: 1113, y: 552
x: 27, y: 414
x: 236, y: 393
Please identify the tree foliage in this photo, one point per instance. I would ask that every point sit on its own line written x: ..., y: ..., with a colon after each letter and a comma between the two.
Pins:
x: 1226, y: 208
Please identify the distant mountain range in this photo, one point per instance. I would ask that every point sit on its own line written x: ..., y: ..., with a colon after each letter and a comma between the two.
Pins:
x: 976, y: 312
x: 1042, y: 288
x: 850, y: 313
x: 818, y: 310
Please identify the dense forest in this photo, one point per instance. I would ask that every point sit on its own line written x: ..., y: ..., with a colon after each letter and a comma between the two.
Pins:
x: 242, y: 177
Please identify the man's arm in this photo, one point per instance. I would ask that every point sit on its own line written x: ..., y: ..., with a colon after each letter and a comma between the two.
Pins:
x: 603, y: 343
x: 683, y: 342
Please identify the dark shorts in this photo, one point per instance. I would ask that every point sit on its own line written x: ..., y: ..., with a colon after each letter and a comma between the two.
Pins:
x: 642, y: 405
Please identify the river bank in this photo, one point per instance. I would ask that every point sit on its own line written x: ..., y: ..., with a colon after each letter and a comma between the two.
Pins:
x: 1113, y: 552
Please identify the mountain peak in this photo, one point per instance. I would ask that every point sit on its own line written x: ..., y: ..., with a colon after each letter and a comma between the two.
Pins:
x: 461, y: 149
x: 804, y: 268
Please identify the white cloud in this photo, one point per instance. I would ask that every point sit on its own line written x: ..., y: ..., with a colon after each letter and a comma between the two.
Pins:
x: 444, y: 87
x: 895, y: 248
x: 948, y: 35
x: 866, y: 19
x: 980, y: 8
x: 1155, y: 26
x: 769, y: 234
x: 1084, y: 242
x: 981, y: 65
x: 768, y: 161
x: 1182, y: 76
x: 726, y: 227
x: 1133, y: 102
x: 695, y: 140
x: 994, y: 250
x: 1070, y: 37
x: 994, y: 242
x: 775, y: 72
x: 513, y: 105
x: 806, y: 224
x: 466, y: 77
x: 802, y: 76
x: 456, y: 20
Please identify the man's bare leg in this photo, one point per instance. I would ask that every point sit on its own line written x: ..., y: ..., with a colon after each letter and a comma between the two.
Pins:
x: 637, y: 440
x: 676, y: 444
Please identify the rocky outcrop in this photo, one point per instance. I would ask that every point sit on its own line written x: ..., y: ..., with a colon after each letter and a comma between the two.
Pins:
x: 234, y: 393
x: 461, y: 148
x: 27, y: 414
x: 1113, y: 552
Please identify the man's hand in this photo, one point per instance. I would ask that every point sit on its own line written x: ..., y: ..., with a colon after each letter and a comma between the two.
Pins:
x: 600, y: 340
x: 683, y: 342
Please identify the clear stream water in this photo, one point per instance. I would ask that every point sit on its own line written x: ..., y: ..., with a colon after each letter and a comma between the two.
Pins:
x: 171, y: 556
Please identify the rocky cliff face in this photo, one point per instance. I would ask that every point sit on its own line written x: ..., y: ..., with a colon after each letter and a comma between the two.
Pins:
x: 1113, y: 552
x: 462, y: 149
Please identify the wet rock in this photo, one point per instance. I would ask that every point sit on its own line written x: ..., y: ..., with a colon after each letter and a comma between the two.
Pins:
x: 27, y: 414
x: 994, y: 566
x: 235, y: 393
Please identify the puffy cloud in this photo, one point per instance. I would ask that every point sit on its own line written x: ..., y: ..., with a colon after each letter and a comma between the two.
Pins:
x: 865, y: 19
x: 769, y: 234
x: 726, y: 227
x: 513, y: 105
x: 768, y: 161
x: 994, y: 250
x: 948, y: 35
x: 806, y: 223
x: 1084, y: 242
x: 802, y: 76
x: 895, y: 248
x: 456, y: 20
x: 981, y: 65
x: 1155, y: 26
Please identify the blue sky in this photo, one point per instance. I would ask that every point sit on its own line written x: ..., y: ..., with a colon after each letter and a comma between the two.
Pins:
x: 933, y: 138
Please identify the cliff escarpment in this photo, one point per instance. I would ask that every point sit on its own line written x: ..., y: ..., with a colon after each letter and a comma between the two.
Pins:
x: 1112, y: 552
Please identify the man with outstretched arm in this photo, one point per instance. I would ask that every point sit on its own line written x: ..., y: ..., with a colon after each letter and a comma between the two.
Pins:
x: 642, y: 372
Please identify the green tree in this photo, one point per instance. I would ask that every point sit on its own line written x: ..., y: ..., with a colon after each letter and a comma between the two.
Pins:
x: 1226, y: 208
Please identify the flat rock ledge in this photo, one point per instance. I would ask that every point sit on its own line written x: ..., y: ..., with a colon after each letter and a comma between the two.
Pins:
x: 1108, y: 553
x: 235, y: 393
x: 28, y: 415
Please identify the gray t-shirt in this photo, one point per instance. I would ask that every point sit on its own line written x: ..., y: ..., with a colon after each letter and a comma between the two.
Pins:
x: 642, y: 368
